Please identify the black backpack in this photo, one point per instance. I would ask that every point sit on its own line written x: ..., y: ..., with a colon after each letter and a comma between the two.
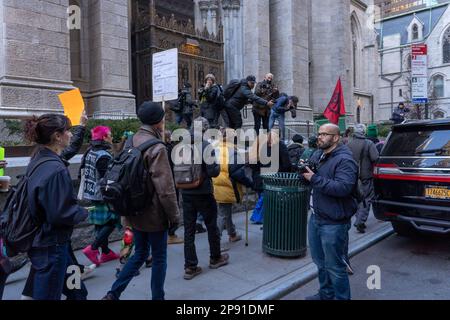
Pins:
x: 178, y: 105
x: 220, y: 99
x: 17, y: 226
x: 124, y: 186
x: 231, y: 89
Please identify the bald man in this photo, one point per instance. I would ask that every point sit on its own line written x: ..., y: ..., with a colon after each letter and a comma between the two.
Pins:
x: 267, y: 90
x: 333, y: 205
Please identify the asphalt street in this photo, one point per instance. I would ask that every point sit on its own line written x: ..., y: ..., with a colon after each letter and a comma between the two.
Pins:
x: 410, y: 269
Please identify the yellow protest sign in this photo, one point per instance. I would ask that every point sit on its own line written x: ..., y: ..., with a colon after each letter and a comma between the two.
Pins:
x: 73, y: 104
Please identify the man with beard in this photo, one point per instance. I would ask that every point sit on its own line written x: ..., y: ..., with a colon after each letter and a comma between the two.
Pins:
x: 333, y: 205
x: 267, y: 90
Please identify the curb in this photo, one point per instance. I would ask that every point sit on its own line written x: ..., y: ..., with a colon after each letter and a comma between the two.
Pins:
x: 284, y: 285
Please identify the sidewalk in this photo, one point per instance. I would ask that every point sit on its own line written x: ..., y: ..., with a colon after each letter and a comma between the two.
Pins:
x: 250, y: 275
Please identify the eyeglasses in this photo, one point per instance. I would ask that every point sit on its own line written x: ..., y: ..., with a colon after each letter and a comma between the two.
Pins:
x: 324, y: 134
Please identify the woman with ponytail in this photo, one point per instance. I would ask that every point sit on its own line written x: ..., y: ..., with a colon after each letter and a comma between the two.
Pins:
x: 52, y: 201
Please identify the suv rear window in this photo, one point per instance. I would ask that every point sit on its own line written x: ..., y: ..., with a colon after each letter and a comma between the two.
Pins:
x: 417, y: 142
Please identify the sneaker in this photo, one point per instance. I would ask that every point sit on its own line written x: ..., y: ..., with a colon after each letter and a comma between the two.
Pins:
x: 92, y: 255
x: 199, y: 228
x: 174, y: 240
x: 111, y: 256
x: 223, y: 260
x: 149, y: 262
x: 110, y: 297
x: 190, y: 273
x: 88, y: 270
x: 361, y: 227
x: 235, y: 238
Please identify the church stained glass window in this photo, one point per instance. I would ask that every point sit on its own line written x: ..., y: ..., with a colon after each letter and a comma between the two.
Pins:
x: 446, y: 46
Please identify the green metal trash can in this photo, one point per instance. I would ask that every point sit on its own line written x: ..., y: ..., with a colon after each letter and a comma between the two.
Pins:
x: 285, y: 215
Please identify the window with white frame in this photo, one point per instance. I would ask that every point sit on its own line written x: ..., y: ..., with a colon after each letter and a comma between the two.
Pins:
x: 438, y: 86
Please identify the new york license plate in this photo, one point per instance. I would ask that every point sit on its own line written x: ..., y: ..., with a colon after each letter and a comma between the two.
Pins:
x: 437, y: 193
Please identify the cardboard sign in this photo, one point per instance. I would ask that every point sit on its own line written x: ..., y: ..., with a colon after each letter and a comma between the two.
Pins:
x: 73, y: 104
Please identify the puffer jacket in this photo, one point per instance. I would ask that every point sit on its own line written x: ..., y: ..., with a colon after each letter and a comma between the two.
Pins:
x: 230, y: 170
x: 243, y: 96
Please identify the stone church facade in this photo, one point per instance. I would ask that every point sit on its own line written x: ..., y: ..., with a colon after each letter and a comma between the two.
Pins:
x: 40, y: 57
x: 306, y: 44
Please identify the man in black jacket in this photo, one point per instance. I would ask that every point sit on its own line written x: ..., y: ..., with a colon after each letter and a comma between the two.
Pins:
x: 242, y: 97
x: 332, y: 207
x: 201, y: 199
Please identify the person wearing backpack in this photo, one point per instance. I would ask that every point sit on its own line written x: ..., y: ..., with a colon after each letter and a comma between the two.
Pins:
x: 161, y: 211
x: 52, y: 202
x: 228, y: 185
x: 197, y: 191
x: 211, y: 101
x: 95, y: 163
x: 67, y: 154
x: 237, y: 95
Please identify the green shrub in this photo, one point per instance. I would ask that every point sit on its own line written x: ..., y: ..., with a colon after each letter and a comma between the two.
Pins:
x: 118, y: 127
x: 384, y: 130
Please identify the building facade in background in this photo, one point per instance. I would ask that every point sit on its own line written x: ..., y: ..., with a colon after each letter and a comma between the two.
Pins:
x: 430, y: 26
x: 306, y: 44
x: 395, y: 7
x: 40, y: 57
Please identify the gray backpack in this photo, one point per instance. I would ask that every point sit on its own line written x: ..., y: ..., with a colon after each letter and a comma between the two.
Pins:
x: 188, y: 175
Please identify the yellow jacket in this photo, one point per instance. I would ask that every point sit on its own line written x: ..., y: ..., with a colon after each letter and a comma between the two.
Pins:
x: 223, y: 188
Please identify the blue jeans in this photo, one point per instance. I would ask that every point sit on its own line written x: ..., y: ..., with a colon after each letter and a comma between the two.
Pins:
x: 144, y: 241
x: 328, y: 244
x: 49, y: 267
x: 281, y: 123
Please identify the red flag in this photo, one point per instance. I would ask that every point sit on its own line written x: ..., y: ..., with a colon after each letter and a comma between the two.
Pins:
x: 336, y: 107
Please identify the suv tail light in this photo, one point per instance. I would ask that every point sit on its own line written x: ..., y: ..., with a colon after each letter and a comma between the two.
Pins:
x: 382, y: 169
x: 393, y: 172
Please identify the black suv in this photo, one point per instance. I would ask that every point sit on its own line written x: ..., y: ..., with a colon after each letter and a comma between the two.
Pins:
x: 412, y: 178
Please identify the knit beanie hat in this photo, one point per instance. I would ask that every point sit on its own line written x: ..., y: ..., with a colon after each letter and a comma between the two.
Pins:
x: 150, y: 113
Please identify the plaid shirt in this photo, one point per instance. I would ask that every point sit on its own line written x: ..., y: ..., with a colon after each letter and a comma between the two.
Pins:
x: 101, y: 215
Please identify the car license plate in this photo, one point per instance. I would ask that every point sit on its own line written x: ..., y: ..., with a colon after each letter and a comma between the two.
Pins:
x: 437, y: 193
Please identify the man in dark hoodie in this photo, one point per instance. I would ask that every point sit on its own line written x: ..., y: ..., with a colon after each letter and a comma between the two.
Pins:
x: 332, y: 207
x: 296, y: 149
x: 244, y: 95
x: 365, y: 154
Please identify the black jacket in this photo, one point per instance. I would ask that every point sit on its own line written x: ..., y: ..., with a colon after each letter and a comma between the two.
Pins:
x: 52, y: 200
x: 295, y: 153
x: 75, y: 143
x: 243, y: 96
x: 209, y: 171
x: 209, y: 102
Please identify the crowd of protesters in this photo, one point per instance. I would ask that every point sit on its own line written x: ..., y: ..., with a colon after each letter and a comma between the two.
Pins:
x: 340, y: 164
